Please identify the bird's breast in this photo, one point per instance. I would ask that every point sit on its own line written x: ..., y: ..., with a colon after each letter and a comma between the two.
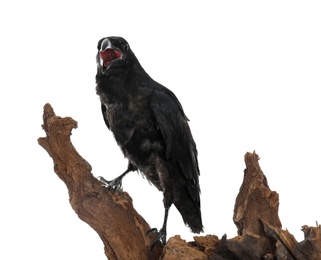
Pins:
x: 136, y: 132
x: 133, y: 122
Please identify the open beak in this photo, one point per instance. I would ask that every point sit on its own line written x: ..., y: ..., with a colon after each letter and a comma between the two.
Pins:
x: 107, y: 55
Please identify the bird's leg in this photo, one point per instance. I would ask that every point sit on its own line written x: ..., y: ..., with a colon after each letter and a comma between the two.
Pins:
x: 161, y: 234
x: 116, y: 184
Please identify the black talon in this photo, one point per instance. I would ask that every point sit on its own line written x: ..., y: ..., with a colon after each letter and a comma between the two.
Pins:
x: 161, y: 234
x: 152, y: 230
x: 160, y: 237
x: 116, y: 184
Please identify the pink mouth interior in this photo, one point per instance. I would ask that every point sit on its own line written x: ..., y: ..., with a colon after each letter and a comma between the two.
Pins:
x: 109, y: 55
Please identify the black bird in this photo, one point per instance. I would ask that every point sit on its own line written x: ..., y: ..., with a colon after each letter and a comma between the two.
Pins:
x: 149, y: 125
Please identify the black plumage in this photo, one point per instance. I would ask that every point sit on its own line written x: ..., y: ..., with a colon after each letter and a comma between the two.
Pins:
x: 149, y: 125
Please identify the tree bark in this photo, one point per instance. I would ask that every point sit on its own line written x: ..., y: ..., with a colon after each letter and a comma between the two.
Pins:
x: 124, y: 232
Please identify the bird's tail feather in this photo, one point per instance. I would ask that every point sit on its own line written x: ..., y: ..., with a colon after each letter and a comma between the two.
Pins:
x: 189, y: 207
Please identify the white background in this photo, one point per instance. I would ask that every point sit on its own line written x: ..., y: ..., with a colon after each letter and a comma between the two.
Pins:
x: 246, y: 72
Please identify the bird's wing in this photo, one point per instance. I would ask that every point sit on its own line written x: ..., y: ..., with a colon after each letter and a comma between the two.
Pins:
x: 181, y: 153
x: 173, y: 125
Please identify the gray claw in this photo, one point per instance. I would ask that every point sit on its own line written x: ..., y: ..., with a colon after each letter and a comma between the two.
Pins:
x: 115, y: 184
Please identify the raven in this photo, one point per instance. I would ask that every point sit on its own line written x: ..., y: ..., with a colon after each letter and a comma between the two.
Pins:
x: 151, y: 128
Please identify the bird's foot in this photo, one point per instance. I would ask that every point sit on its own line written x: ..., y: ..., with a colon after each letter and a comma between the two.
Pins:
x: 115, y: 185
x: 160, y: 236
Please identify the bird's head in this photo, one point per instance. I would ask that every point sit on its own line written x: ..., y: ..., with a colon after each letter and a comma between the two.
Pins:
x: 112, y: 52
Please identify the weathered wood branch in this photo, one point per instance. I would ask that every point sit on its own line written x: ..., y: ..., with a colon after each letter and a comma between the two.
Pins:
x: 111, y: 215
x: 123, y: 230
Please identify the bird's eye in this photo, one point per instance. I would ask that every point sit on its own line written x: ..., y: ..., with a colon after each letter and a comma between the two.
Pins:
x: 126, y: 47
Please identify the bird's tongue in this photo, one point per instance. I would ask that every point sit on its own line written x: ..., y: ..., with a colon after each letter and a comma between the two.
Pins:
x: 109, y: 55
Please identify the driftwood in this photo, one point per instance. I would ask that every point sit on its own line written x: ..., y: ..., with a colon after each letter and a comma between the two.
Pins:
x: 112, y: 216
